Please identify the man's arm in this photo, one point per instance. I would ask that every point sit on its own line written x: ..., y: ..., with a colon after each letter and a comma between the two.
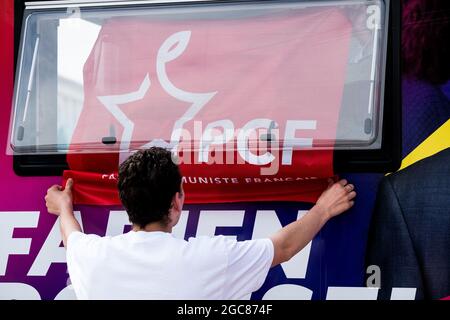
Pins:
x: 390, y: 246
x: 295, y: 236
x: 59, y: 202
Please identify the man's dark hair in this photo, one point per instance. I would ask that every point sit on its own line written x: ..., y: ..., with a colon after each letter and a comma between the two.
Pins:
x: 425, y: 43
x: 148, y: 180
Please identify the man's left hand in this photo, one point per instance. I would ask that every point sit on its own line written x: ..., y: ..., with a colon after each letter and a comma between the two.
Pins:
x: 58, y: 199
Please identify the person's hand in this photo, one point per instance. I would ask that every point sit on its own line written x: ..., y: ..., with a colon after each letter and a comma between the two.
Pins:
x: 58, y: 199
x: 337, y: 198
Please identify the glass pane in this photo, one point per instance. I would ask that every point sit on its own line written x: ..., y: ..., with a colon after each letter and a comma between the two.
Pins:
x: 288, y: 74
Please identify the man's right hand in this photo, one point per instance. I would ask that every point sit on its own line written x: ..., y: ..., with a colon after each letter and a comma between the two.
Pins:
x: 337, y: 198
x: 288, y: 241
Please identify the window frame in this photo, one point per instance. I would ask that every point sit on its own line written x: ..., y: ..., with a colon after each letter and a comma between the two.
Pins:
x: 385, y: 159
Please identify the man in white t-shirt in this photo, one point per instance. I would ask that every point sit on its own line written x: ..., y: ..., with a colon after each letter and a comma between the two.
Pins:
x: 149, y: 263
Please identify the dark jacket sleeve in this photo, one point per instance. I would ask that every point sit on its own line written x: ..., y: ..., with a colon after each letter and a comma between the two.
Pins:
x: 390, y: 246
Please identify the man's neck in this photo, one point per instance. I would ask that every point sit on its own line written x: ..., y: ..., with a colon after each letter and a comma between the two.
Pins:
x: 154, y: 226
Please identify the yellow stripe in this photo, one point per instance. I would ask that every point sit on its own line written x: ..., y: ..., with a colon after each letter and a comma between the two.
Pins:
x: 436, y: 142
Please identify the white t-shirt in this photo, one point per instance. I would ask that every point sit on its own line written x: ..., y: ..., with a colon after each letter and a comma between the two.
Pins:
x: 155, y: 265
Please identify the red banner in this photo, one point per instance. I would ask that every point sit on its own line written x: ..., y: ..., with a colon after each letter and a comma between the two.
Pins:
x: 247, y: 101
